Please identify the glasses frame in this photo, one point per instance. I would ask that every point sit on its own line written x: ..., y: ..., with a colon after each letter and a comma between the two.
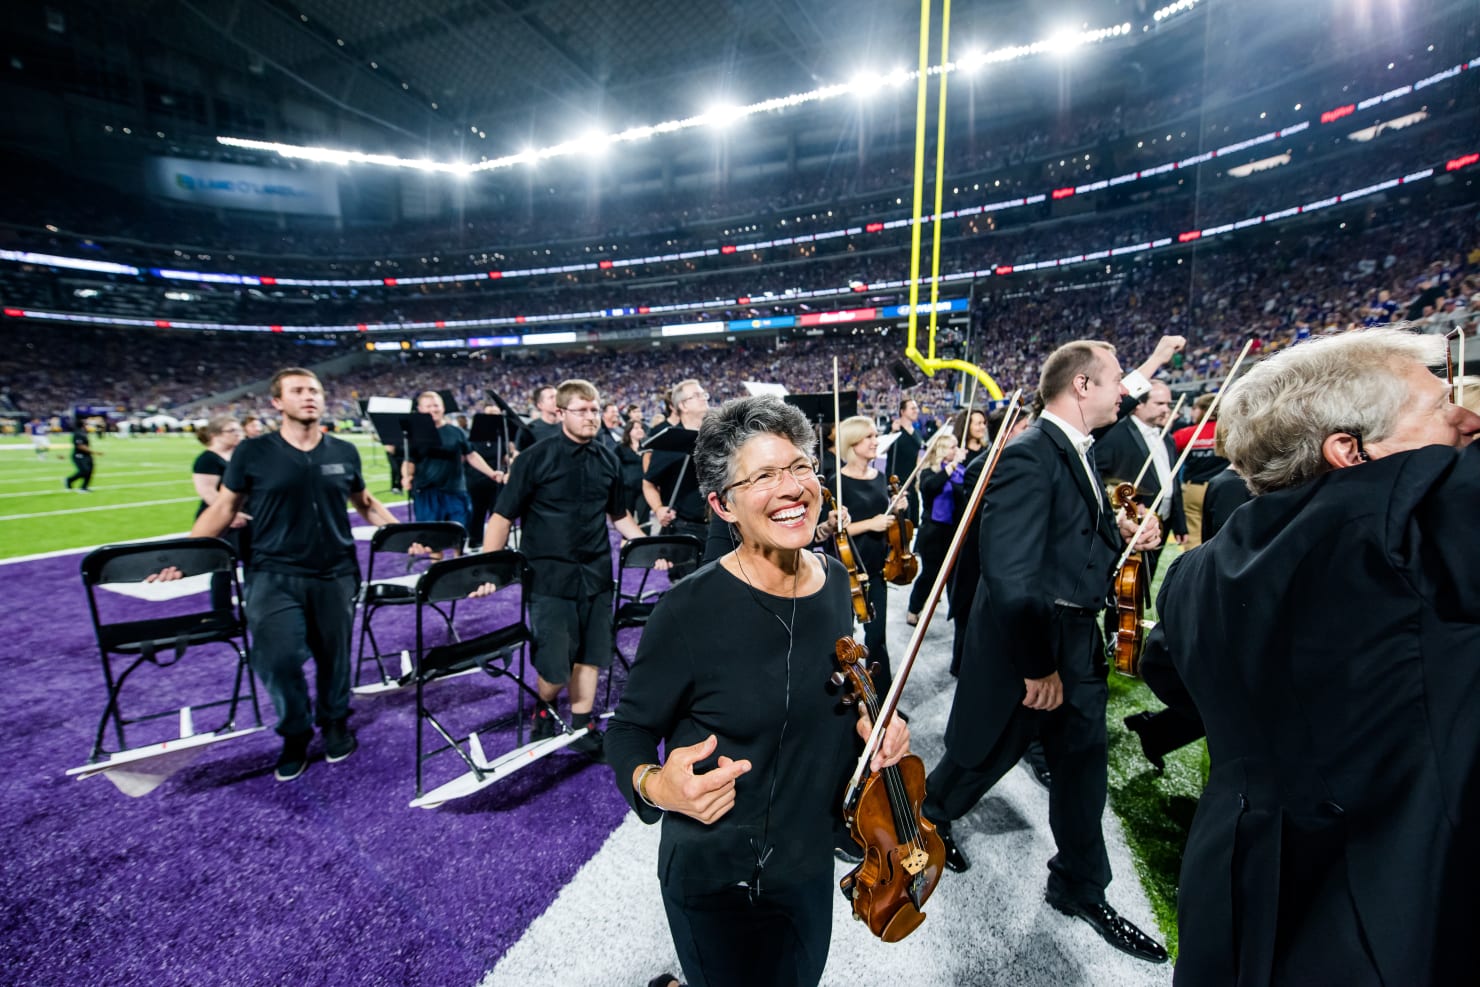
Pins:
x: 751, y: 481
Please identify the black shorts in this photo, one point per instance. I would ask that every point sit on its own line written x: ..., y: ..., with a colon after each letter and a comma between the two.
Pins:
x: 568, y: 632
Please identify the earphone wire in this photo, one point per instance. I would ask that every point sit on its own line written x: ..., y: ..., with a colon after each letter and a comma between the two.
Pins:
x: 762, y: 850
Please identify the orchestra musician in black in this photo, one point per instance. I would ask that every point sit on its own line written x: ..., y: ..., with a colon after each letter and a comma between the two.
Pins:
x: 1034, y: 662
x: 1328, y: 639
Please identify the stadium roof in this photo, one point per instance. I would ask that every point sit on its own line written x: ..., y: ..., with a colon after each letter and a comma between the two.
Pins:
x: 487, y: 76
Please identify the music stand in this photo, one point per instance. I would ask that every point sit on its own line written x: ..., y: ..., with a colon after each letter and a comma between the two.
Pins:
x: 497, y: 431
x: 421, y: 433
x: 520, y: 428
x: 679, y: 441
x: 818, y: 408
x: 902, y: 376
x: 388, y: 429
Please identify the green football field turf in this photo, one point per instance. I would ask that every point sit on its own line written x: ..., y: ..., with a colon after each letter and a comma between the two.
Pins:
x: 141, y: 489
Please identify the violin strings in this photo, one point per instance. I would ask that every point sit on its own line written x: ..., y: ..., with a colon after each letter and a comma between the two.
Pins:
x: 899, y: 802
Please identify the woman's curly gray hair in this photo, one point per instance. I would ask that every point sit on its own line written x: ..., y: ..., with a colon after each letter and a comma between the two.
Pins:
x: 726, y: 428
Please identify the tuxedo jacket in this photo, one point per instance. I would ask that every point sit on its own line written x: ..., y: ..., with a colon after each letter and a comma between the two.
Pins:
x: 1329, y: 638
x: 1119, y: 455
x: 1048, y: 542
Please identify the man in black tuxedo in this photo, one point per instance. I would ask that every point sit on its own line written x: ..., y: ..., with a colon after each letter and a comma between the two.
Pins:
x: 1122, y: 451
x: 1034, y: 660
x: 1329, y: 638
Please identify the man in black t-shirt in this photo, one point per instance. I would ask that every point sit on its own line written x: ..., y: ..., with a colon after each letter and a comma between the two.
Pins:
x: 435, y: 476
x: 303, y: 569
x: 564, y: 489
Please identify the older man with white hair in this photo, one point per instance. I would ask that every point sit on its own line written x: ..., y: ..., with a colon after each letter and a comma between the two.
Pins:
x: 1329, y: 639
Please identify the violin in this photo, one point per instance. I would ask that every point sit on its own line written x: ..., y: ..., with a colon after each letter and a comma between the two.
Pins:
x: 857, y: 576
x: 900, y: 566
x: 903, y: 855
x: 1130, y: 596
x: 902, y: 852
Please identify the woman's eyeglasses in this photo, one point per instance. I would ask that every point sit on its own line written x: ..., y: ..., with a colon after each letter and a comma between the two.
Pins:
x: 770, y: 477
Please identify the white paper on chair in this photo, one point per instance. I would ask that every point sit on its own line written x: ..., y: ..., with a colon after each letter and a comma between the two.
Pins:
x: 173, y: 589
x: 146, y: 776
x: 757, y: 389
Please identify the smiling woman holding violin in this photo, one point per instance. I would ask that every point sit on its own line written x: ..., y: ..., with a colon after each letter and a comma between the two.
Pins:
x: 759, y: 743
x: 867, y: 500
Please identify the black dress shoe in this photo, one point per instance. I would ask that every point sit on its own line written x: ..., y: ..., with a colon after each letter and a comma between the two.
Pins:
x: 955, y: 859
x: 1113, y: 929
x: 1138, y: 724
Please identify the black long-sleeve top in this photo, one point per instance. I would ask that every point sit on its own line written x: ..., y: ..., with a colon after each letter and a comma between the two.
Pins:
x: 695, y: 676
x: 865, y: 499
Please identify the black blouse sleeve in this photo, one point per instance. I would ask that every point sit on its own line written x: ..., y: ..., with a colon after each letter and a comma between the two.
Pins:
x: 658, y: 689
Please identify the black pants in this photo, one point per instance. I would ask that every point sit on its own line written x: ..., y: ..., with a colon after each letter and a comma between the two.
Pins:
x: 1167, y: 730
x: 483, y: 493
x: 931, y: 543
x: 780, y: 941
x: 84, y: 467
x: 292, y: 619
x: 1074, y: 745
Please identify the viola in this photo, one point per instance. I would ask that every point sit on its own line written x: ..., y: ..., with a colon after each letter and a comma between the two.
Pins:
x: 900, y: 566
x: 857, y: 575
x: 1130, y: 595
x: 903, y: 855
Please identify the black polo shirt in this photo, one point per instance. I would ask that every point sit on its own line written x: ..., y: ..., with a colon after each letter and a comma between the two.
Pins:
x: 297, y: 501
x: 563, y: 492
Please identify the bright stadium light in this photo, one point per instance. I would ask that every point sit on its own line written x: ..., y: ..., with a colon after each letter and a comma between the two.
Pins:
x: 863, y: 84
x: 723, y: 115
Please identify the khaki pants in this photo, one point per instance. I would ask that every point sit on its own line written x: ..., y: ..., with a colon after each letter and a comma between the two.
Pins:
x: 1192, y: 504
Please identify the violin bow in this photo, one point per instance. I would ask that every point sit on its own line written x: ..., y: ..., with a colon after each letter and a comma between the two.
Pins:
x: 1161, y: 437
x: 1456, y: 379
x: 1182, y: 459
x: 837, y: 438
x: 917, y: 636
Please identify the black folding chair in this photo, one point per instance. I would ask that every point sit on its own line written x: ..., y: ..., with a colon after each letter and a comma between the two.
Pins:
x: 390, y: 548
x: 494, y: 651
x: 163, y: 637
x: 632, y: 609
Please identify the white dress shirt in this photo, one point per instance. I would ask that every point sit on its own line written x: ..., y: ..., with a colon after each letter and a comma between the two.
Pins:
x: 1081, y: 443
x: 1159, y: 459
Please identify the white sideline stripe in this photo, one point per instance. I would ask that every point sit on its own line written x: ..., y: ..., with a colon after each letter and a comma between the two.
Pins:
x: 112, y: 486
x: 100, y: 507
x: 63, y: 552
x: 52, y: 471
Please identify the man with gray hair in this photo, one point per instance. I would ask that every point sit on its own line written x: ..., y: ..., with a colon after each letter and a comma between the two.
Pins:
x: 1328, y: 639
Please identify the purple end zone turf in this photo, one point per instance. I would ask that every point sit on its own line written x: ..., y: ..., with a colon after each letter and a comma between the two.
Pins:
x: 223, y: 874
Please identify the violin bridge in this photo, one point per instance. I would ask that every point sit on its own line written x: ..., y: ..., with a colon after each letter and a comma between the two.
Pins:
x: 915, y: 861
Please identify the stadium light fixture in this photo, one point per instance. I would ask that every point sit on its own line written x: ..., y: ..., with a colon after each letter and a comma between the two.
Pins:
x: 898, y: 77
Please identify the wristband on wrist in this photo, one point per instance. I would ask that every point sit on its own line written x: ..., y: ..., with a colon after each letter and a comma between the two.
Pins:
x: 641, y: 786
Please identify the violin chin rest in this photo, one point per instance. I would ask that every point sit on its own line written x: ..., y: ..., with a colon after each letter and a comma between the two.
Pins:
x: 905, y: 921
